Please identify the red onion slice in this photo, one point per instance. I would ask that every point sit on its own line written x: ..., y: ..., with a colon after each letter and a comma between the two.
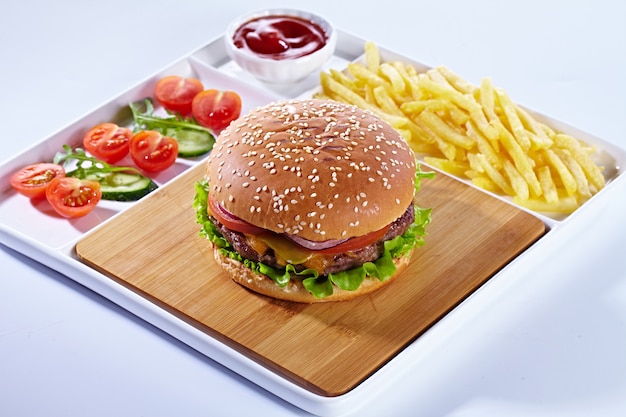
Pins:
x: 311, y: 245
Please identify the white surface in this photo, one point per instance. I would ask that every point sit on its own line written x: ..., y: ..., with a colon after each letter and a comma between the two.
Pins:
x: 545, y: 338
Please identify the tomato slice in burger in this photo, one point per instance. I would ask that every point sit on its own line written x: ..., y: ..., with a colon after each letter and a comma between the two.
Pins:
x: 230, y: 220
x: 176, y: 93
x: 32, y: 180
x: 107, y: 142
x: 153, y: 152
x: 215, y: 109
x: 357, y: 242
x: 73, y: 197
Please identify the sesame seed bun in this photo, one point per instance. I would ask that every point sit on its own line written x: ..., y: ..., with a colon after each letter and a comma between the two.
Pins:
x: 295, y: 291
x: 318, y: 169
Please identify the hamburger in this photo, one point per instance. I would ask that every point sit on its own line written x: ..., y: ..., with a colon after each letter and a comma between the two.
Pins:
x: 311, y: 200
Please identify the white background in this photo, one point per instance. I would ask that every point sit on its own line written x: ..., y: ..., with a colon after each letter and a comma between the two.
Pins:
x: 546, y: 337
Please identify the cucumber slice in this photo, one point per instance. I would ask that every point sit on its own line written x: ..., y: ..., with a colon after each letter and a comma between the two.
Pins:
x: 120, y: 186
x: 192, y: 142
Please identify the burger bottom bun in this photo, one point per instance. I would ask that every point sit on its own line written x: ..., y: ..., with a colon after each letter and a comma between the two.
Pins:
x: 295, y: 291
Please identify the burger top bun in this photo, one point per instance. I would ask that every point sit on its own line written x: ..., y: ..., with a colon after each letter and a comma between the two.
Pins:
x: 319, y: 169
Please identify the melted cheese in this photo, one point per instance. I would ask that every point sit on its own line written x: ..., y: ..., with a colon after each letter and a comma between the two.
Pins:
x: 284, y: 250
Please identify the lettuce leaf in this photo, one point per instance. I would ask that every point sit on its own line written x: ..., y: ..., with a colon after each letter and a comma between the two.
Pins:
x: 322, y: 286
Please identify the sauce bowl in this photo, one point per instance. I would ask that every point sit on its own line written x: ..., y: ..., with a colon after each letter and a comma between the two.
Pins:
x: 258, y: 59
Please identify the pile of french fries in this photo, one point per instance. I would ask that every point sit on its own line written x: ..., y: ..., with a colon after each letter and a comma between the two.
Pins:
x: 473, y: 132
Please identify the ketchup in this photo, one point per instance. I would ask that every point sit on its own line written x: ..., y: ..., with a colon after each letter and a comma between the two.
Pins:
x: 280, y: 37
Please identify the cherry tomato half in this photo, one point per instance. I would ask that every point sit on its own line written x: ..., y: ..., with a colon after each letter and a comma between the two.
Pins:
x: 32, y: 180
x: 215, y: 109
x: 176, y: 93
x: 107, y: 142
x: 153, y: 152
x: 230, y: 220
x: 73, y: 197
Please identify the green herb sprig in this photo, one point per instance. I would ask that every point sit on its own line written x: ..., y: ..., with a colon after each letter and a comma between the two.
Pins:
x: 147, y: 120
x: 87, y: 165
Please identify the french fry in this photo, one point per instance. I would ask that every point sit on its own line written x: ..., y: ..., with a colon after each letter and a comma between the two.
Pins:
x: 445, y: 131
x: 582, y: 185
x: 495, y: 175
x: 417, y: 106
x: 449, y: 93
x: 520, y: 160
x: 592, y: 171
x: 361, y: 73
x: 457, y: 168
x: 398, y: 85
x: 342, y: 78
x: 385, y: 101
x: 447, y: 149
x: 513, y: 120
x: 347, y: 95
x: 547, y: 184
x: 564, y: 205
x: 475, y: 164
x: 484, y: 146
x: 518, y: 183
x: 537, y: 135
x: 569, y: 183
x: 409, y: 79
x: 457, y: 82
x: 372, y: 57
x: 485, y: 183
x: 457, y: 116
x: 487, y: 98
x: 422, y: 147
x: 456, y: 92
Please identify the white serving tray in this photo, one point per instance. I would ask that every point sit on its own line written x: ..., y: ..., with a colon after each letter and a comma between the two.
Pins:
x: 51, y: 240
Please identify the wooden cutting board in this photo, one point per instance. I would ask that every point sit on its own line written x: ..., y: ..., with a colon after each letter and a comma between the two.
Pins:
x: 155, y: 249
